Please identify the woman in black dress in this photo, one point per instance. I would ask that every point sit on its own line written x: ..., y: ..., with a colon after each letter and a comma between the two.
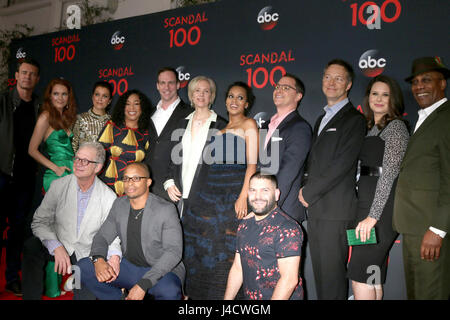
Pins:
x: 379, y: 166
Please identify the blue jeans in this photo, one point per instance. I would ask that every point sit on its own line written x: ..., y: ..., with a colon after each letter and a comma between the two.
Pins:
x: 167, y: 288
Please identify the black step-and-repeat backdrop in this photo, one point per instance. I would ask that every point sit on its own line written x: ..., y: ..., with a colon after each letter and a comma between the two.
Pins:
x: 255, y: 41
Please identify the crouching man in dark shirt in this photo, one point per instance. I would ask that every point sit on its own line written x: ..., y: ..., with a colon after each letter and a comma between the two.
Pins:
x: 268, y: 248
x: 152, y: 243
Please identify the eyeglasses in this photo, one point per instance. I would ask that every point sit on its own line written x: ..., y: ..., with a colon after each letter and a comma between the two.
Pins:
x: 84, y: 162
x: 284, y: 87
x: 134, y: 179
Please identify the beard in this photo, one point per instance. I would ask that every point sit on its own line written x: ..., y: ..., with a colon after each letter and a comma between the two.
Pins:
x: 270, y: 205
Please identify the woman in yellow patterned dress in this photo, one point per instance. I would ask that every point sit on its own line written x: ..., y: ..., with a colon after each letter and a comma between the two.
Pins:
x: 125, y: 137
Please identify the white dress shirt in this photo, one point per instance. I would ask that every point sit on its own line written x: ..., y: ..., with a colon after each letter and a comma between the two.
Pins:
x: 424, y: 113
x: 161, y: 116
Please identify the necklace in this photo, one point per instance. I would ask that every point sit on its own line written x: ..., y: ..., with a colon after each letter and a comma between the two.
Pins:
x: 139, y: 213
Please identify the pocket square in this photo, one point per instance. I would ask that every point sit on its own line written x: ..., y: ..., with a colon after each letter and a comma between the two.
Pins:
x: 275, y: 139
x: 331, y: 129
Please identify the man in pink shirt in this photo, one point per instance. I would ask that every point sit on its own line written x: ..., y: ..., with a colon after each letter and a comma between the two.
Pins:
x: 287, y: 144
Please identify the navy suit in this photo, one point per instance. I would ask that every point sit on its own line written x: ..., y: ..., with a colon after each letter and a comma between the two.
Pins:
x: 286, y: 155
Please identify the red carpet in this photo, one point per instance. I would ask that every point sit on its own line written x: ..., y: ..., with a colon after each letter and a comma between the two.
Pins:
x: 9, y: 296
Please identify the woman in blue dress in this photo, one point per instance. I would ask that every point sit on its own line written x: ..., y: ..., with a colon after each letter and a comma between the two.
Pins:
x: 211, y: 221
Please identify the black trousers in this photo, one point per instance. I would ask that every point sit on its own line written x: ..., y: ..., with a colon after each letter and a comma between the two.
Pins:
x: 329, y: 256
x: 35, y: 258
x: 16, y: 196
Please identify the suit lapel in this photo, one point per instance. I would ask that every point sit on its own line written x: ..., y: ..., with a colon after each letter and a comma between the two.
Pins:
x: 146, y: 222
x: 424, y: 127
x: 168, y: 128
x: 331, y: 123
x: 428, y: 121
x: 277, y: 132
x: 123, y: 216
x: 71, y: 205
x: 92, y: 210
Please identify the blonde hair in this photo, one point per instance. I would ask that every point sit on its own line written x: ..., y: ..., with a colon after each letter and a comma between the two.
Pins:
x: 193, y: 85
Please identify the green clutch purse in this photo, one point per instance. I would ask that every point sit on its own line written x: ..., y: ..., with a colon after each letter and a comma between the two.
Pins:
x: 353, y: 241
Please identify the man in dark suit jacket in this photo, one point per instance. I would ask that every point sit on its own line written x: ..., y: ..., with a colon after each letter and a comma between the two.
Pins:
x: 286, y: 144
x: 165, y: 119
x: 329, y: 192
x: 151, y: 240
x: 422, y: 198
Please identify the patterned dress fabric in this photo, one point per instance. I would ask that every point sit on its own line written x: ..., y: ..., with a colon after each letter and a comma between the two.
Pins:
x: 260, y: 245
x: 123, y: 145
x: 59, y: 149
x: 210, y: 222
x: 87, y: 128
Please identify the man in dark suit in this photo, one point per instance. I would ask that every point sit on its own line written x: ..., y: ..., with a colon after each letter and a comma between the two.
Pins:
x: 287, y: 144
x: 422, y: 198
x: 329, y: 192
x: 165, y: 118
x: 152, y: 243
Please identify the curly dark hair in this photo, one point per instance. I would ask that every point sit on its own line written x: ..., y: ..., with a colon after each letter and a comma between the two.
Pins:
x: 118, y: 113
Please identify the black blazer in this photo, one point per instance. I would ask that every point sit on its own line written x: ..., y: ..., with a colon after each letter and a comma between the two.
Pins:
x: 293, y: 141
x: 158, y: 154
x: 175, y: 170
x: 330, y: 187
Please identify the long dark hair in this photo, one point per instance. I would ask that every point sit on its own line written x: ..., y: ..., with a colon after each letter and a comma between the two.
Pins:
x: 56, y: 120
x: 395, y: 106
x: 118, y: 113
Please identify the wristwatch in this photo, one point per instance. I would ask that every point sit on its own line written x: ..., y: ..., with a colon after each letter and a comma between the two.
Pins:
x: 94, y: 259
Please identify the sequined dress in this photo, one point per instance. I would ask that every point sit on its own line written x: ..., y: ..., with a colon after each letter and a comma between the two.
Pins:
x: 87, y: 128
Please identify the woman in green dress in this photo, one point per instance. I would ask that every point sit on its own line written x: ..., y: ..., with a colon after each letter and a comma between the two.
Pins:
x: 53, y: 127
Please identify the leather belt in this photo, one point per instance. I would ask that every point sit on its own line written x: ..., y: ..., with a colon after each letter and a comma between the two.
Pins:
x: 370, y: 171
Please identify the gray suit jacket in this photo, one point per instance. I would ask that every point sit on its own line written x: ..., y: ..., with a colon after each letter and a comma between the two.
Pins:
x: 162, y: 237
x: 56, y: 217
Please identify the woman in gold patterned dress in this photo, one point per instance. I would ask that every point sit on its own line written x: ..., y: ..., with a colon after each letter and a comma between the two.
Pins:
x: 125, y: 137
x: 90, y: 123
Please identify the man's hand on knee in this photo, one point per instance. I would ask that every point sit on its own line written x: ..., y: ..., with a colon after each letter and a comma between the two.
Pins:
x: 103, y: 271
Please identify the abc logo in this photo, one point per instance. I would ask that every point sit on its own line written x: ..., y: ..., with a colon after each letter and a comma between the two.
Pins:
x: 266, y: 19
x: 117, y: 41
x: 371, y: 64
x: 183, y: 76
x: 20, y: 54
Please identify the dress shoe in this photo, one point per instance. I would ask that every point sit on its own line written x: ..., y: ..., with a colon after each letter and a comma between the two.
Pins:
x: 14, y: 287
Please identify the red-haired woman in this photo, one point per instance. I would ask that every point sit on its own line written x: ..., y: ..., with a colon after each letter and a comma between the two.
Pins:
x: 53, y: 127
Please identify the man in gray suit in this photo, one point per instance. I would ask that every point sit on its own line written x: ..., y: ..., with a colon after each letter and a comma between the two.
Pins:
x: 152, y: 245
x: 65, y: 223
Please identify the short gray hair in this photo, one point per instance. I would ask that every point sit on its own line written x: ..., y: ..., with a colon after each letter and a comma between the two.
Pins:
x: 100, y: 154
